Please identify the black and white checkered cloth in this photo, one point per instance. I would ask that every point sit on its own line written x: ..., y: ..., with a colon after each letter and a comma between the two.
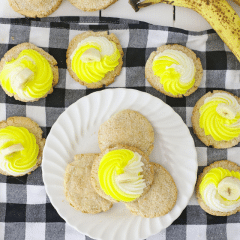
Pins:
x: 25, y: 210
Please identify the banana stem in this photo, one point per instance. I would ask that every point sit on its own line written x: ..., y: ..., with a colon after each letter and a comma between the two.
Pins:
x: 219, y: 14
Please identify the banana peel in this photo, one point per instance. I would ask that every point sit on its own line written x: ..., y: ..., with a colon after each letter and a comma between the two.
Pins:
x: 219, y: 14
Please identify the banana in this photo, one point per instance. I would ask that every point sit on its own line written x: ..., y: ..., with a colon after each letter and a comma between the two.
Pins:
x: 226, y: 111
x: 12, y: 149
x: 91, y: 55
x: 219, y: 14
x: 229, y: 188
x: 20, y: 76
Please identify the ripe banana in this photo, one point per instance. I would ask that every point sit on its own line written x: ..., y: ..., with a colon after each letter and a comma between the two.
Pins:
x: 220, y: 15
x: 12, y: 149
x: 91, y: 55
x: 229, y: 188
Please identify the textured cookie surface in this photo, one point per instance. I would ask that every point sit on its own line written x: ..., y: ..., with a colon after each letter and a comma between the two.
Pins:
x: 92, y: 5
x: 155, y: 80
x: 78, y: 189
x: 33, y: 128
x: 147, y: 171
x: 15, y: 51
x: 110, y: 76
x: 127, y: 127
x: 35, y: 8
x: 208, y: 140
x: 161, y: 197
x: 231, y: 166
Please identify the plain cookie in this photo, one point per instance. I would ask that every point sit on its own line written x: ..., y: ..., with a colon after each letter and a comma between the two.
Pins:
x: 91, y: 5
x: 161, y: 197
x: 35, y: 8
x: 15, y: 51
x: 155, y: 80
x: 231, y: 166
x: 110, y: 76
x: 147, y: 171
x: 208, y: 140
x: 129, y: 128
x: 78, y: 189
x: 33, y: 128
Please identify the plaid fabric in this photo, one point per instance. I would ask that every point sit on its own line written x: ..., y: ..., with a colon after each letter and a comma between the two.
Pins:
x: 25, y: 210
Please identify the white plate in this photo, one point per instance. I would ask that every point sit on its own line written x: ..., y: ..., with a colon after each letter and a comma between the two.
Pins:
x: 75, y: 131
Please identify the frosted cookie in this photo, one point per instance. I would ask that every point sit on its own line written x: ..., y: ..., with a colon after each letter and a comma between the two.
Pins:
x: 127, y: 127
x: 122, y: 174
x: 21, y: 146
x: 28, y: 73
x: 161, y: 197
x: 174, y: 70
x: 78, y: 189
x: 35, y: 8
x: 94, y: 59
x: 91, y: 5
x: 218, y: 188
x: 216, y: 119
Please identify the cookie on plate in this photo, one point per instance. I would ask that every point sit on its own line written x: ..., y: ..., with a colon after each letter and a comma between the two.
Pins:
x: 174, y: 70
x: 94, y: 59
x: 121, y: 173
x: 35, y: 8
x: 91, y: 5
x: 216, y: 119
x: 127, y: 127
x: 21, y: 146
x: 218, y: 188
x: 78, y: 189
x: 28, y: 73
x: 161, y: 197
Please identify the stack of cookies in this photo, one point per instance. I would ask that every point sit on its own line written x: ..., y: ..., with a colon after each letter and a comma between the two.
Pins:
x: 122, y: 171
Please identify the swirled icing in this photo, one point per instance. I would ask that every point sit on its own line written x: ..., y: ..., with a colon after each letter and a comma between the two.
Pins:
x: 209, y: 190
x: 94, y: 71
x: 216, y: 125
x: 21, y: 161
x: 120, y: 175
x: 29, y: 75
x: 176, y: 71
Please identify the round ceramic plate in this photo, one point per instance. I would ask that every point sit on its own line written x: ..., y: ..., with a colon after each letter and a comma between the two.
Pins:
x: 75, y: 131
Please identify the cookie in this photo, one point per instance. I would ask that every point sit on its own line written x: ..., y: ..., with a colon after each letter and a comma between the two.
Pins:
x: 32, y: 128
x: 213, y: 135
x: 35, y: 8
x: 147, y: 170
x: 41, y: 83
x: 226, y: 165
x: 92, y: 64
x: 127, y: 127
x: 78, y: 189
x: 91, y: 5
x: 161, y: 197
x: 172, y: 69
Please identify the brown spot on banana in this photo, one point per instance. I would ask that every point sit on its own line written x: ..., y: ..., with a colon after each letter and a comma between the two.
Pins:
x: 219, y: 14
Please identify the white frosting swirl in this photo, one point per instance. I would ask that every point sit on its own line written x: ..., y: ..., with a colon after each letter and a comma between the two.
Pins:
x: 106, y: 47
x: 131, y: 182
x: 214, y: 201
x: 186, y: 65
x: 224, y: 96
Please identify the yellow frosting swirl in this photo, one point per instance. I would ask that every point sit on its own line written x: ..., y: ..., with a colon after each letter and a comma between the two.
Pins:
x: 119, y: 175
x: 29, y: 76
x: 220, y: 117
x: 17, y: 161
x: 208, y: 189
x: 94, y: 71
x: 176, y: 71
